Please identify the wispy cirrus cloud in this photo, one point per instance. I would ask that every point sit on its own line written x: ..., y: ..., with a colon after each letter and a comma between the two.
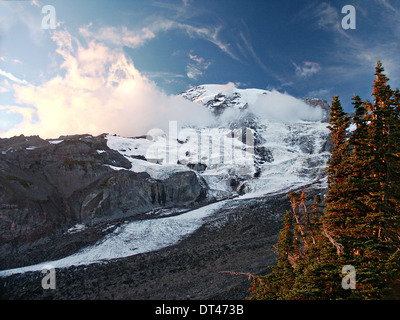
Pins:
x: 388, y: 5
x: 355, y: 55
x: 307, y: 69
x: 186, y: 2
x: 208, y: 33
x: 35, y: 3
x: 326, y: 16
x: 248, y: 47
x: 391, y: 14
x: 120, y: 36
x: 4, y: 86
x: 249, y: 54
x: 162, y: 74
x: 319, y: 93
x: 22, y: 13
x: 196, y: 67
x: 6, y: 59
x: 11, y: 77
x: 323, y: 16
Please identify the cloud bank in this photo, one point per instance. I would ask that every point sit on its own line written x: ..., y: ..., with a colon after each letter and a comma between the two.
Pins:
x: 100, y: 91
x: 282, y: 107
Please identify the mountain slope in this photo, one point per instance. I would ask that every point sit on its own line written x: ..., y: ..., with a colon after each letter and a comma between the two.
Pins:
x: 287, y: 152
x: 101, y: 186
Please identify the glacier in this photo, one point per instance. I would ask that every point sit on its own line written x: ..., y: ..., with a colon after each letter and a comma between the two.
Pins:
x: 132, y: 238
x: 248, y: 155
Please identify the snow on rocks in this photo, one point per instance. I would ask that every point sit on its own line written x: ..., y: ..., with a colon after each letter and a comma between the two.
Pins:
x: 132, y: 238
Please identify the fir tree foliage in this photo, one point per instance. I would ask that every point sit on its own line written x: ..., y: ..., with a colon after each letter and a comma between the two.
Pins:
x: 359, y: 221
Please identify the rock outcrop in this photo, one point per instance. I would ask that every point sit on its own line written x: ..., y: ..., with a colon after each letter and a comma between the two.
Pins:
x: 48, y: 186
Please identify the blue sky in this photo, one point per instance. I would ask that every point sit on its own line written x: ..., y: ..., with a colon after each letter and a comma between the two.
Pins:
x: 298, y: 47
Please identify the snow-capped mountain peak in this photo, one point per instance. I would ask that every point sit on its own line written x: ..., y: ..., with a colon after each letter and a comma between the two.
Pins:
x: 267, y: 105
x: 255, y: 149
x: 217, y: 97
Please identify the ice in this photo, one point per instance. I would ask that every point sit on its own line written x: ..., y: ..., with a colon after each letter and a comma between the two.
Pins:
x: 55, y: 141
x: 132, y: 238
x: 76, y: 228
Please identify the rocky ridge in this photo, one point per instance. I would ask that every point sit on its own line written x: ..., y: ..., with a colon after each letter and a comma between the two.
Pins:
x: 48, y: 186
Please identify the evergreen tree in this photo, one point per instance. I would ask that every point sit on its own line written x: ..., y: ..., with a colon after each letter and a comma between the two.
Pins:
x: 335, y: 213
x: 379, y: 258
x: 277, y: 284
x: 317, y: 274
x: 360, y: 225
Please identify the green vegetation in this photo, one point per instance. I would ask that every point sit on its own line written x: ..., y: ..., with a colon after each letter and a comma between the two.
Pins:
x: 358, y: 223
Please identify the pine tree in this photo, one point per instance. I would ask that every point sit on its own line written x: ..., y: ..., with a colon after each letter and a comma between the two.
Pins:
x: 277, y: 284
x: 335, y: 213
x: 368, y: 212
x: 317, y: 273
x: 380, y: 254
x: 360, y: 225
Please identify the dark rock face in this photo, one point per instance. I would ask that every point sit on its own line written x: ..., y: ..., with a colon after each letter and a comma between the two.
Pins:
x: 221, y: 102
x: 46, y: 188
x: 239, y: 239
x: 197, y: 166
x: 323, y: 104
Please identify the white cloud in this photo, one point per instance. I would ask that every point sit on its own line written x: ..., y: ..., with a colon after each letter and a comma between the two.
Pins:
x: 32, y: 21
x: 250, y: 49
x: 186, y: 2
x: 162, y: 74
x: 283, y: 107
x: 197, y: 67
x: 307, y: 68
x: 395, y: 11
x: 12, y: 77
x: 327, y: 16
x: 3, y: 58
x: 26, y: 113
x: 5, y: 86
x: 193, y: 72
x: 320, y: 93
x: 35, y: 3
x: 122, y: 36
x: 101, y: 91
x: 210, y: 34
x: 119, y: 36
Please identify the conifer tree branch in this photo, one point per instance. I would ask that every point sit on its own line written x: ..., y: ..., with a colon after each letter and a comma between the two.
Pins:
x: 339, y: 247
